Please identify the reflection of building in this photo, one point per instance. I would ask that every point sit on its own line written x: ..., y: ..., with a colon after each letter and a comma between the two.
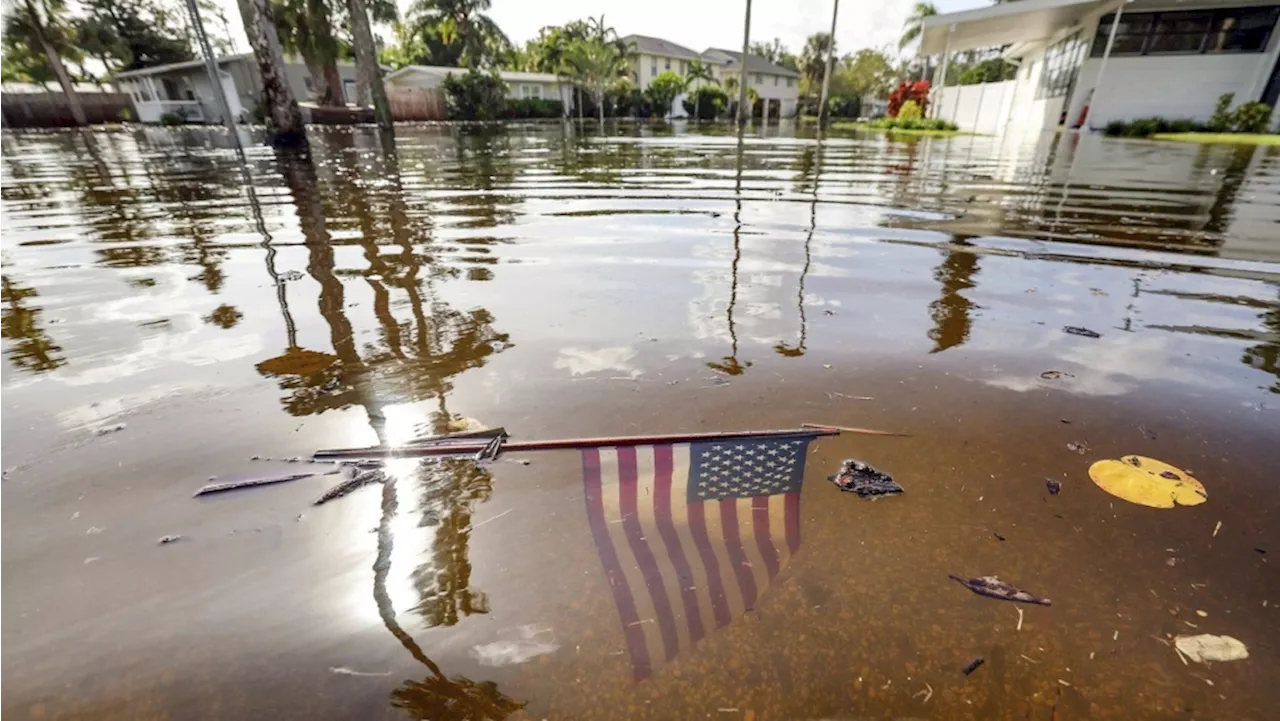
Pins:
x: 1168, y: 60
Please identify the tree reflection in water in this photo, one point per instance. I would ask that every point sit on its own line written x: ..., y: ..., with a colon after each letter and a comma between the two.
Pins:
x: 408, y: 362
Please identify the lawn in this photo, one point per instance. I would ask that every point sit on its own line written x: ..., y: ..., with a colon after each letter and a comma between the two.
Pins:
x: 1240, y: 138
x: 894, y: 131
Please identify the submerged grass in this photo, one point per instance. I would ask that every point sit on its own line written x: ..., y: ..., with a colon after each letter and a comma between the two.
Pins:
x: 1238, y: 138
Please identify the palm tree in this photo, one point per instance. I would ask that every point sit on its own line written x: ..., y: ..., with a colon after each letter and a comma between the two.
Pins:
x: 458, y: 33
x: 367, y: 62
x: 49, y: 33
x: 596, y: 66
x: 280, y: 108
x: 813, y: 59
x: 914, y: 25
x: 697, y: 74
x: 306, y: 30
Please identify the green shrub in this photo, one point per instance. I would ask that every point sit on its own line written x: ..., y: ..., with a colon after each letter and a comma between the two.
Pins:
x: 712, y: 102
x: 125, y: 115
x: 1252, y: 117
x: 521, y: 108
x: 844, y: 107
x: 474, y: 95
x: 901, y: 123
x: 172, y: 119
x: 1220, y: 121
x: 662, y: 91
x: 910, y: 110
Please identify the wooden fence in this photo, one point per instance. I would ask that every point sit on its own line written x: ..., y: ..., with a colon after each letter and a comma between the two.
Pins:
x: 50, y: 110
x: 417, y: 104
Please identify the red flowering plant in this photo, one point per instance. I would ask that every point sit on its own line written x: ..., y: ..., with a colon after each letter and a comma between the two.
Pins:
x: 917, y: 91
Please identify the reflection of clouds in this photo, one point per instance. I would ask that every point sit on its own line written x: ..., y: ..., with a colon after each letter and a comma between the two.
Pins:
x: 1115, y: 365
x: 99, y: 412
x: 583, y: 361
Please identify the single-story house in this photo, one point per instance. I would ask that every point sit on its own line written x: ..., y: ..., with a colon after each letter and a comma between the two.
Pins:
x: 1088, y: 62
x: 543, y: 86
x: 183, y: 88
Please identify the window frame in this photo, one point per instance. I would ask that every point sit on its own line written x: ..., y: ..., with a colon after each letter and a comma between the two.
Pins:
x: 1151, y: 33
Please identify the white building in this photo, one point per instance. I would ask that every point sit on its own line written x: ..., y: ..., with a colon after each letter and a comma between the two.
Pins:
x: 777, y: 87
x: 543, y: 86
x: 1166, y: 58
x: 183, y: 89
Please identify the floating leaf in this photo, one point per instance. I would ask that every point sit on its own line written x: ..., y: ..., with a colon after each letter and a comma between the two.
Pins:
x: 1148, y: 482
x: 1207, y: 647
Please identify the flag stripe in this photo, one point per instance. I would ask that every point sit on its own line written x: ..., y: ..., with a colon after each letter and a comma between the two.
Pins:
x: 701, y: 582
x: 640, y: 548
x: 793, y: 521
x: 737, y: 556
x: 760, y: 519
x: 613, y: 570
x: 647, y: 510
x: 698, y: 526
x: 685, y: 582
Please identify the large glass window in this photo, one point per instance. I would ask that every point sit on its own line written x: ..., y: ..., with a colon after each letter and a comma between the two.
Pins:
x: 1233, y: 30
x: 1061, y: 63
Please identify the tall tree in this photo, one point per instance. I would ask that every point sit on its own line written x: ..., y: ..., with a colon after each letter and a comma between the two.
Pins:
x: 367, y: 60
x: 699, y: 72
x: 813, y: 59
x: 914, y: 25
x: 44, y: 26
x: 279, y: 107
x: 146, y: 32
x: 455, y: 33
x: 305, y: 28
x: 595, y: 66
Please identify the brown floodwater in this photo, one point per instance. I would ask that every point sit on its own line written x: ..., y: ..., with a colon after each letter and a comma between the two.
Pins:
x: 170, y: 313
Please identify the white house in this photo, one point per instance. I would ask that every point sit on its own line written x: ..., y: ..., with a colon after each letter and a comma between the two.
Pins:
x: 777, y: 87
x: 1092, y: 61
x: 545, y: 86
x: 183, y: 89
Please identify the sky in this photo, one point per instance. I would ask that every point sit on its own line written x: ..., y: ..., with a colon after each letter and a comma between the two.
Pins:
x: 700, y: 24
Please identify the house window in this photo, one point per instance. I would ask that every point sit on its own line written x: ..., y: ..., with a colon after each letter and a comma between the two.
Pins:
x: 1189, y: 31
x: 531, y: 91
x: 775, y: 81
x: 684, y: 66
x: 653, y: 67
x: 791, y: 82
x: 1061, y: 64
x: 666, y: 64
x: 755, y: 78
x: 349, y: 92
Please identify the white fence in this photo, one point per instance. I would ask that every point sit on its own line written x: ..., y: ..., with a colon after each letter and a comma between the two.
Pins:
x: 983, y: 108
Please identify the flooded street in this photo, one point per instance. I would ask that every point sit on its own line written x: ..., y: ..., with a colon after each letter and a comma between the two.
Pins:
x: 170, y: 314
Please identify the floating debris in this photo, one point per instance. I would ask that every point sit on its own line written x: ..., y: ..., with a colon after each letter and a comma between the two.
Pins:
x: 110, y: 429
x: 251, y: 482
x: 351, y: 484
x: 1078, y: 447
x: 973, y: 665
x: 165, y: 540
x: 1150, y: 434
x: 1148, y: 482
x: 344, y: 671
x: 860, y: 478
x: 1207, y: 647
x: 1055, y: 375
x: 993, y: 587
x: 1054, y: 486
x: 998, y: 536
x: 1076, y: 330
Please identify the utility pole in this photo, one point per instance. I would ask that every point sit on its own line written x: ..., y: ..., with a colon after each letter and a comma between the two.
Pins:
x: 211, y: 66
x: 367, y: 62
x: 742, y: 81
x: 831, y: 59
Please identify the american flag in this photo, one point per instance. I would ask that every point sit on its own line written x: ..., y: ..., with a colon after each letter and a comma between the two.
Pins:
x: 691, y: 534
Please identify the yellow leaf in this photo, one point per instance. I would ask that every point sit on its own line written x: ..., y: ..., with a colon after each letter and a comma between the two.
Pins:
x: 1148, y: 482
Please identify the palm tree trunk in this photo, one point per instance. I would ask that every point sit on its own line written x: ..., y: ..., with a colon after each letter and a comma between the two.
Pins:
x: 334, y: 82
x: 280, y: 108
x: 59, y: 70
x: 318, y: 80
x: 367, y: 59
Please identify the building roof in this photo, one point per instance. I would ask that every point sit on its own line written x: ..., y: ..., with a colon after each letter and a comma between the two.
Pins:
x: 755, y: 63
x: 199, y: 63
x: 658, y: 46
x: 1004, y: 24
x: 170, y: 67
x: 514, y: 76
